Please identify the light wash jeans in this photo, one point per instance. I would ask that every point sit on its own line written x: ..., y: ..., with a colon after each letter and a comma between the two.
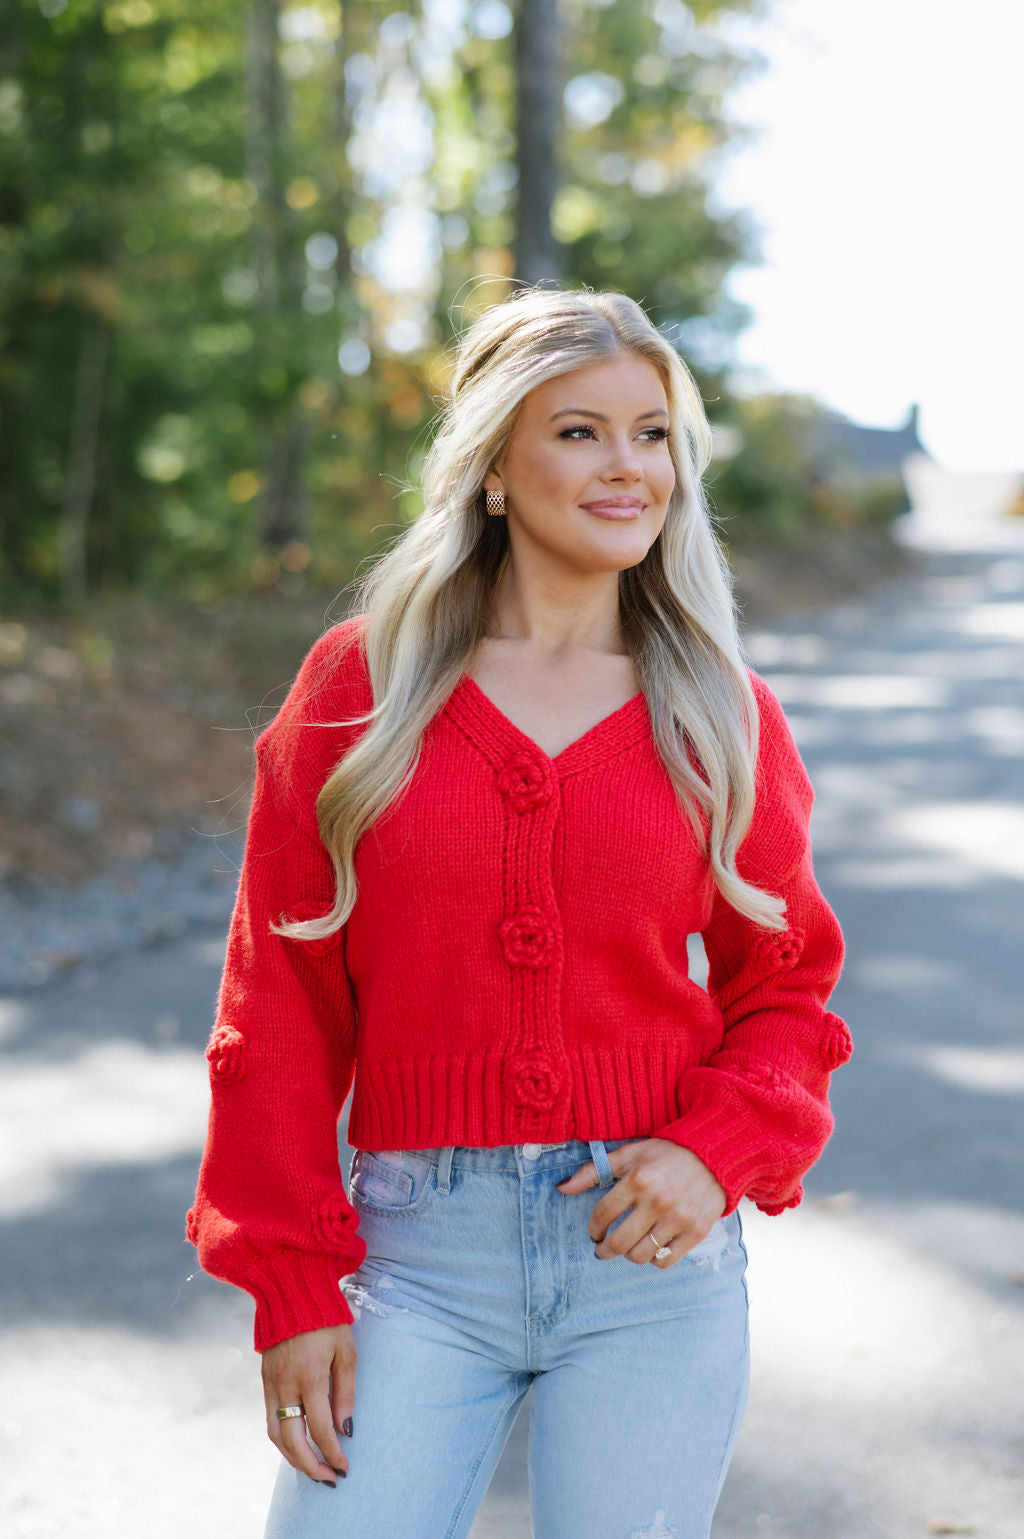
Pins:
x: 480, y: 1280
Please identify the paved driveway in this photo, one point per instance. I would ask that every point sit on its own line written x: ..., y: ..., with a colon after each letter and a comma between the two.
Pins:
x: 888, y: 1312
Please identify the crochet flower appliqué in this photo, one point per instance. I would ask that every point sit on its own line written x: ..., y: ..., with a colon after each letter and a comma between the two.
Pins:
x: 532, y: 1080
x: 778, y: 951
x: 765, y: 1077
x: 528, y: 938
x: 334, y: 1223
x: 226, y: 1055
x: 837, y: 1044
x: 524, y: 783
x: 307, y: 909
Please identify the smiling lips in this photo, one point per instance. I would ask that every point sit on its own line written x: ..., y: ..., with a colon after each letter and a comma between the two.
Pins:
x: 615, y: 507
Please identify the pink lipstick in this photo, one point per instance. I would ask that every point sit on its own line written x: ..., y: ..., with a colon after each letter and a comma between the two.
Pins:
x: 615, y: 508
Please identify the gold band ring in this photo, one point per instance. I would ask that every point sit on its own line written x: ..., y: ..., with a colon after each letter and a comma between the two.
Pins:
x: 284, y: 1412
x: 662, y: 1250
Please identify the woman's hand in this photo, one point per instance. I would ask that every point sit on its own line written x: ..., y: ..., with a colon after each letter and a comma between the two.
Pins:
x: 670, y: 1191
x: 316, y: 1370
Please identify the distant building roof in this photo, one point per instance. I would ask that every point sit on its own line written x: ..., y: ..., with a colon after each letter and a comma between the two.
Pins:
x: 867, y: 449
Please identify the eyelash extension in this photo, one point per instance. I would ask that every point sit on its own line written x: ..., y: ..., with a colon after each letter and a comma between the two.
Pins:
x: 660, y: 433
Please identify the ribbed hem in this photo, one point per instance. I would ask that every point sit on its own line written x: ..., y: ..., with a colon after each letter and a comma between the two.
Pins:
x: 424, y: 1102
x: 298, y: 1291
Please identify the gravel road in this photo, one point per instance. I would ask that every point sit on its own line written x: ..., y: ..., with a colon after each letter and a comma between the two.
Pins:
x: 887, y: 1312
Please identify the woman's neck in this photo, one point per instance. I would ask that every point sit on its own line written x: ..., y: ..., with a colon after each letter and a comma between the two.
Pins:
x: 558, y: 617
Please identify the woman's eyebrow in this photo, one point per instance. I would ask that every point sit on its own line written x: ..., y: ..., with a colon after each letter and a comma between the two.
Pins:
x: 581, y: 411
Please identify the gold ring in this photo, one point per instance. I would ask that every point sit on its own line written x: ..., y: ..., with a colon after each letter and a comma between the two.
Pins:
x: 284, y: 1412
x: 662, y: 1250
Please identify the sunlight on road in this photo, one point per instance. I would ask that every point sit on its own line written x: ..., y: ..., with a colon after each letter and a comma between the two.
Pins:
x: 859, y: 1326
x: 116, y: 1103
x: 938, y: 845
x: 13, y: 1015
x: 770, y: 649
x: 987, y: 836
x: 993, y: 620
x: 837, y: 1288
x: 129, y: 1399
x: 861, y: 692
x: 888, y: 971
x: 990, y: 1071
x: 1001, y: 727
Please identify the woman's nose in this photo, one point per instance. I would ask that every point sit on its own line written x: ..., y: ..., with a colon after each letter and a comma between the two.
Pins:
x: 623, y: 462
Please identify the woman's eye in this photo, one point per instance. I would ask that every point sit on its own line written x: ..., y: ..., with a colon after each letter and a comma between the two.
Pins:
x: 653, y: 435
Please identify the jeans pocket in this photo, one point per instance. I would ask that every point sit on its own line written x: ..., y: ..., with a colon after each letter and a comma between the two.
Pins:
x: 398, y: 1181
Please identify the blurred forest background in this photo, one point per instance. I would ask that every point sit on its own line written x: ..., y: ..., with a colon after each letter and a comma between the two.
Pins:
x: 236, y: 241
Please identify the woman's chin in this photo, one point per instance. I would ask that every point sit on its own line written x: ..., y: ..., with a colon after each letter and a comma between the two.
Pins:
x: 617, y: 555
x: 614, y: 549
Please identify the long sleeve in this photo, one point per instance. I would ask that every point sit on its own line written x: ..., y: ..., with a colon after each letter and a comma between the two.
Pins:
x: 756, y: 1112
x: 271, y: 1214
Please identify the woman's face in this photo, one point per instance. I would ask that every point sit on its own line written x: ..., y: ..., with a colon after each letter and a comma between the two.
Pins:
x: 587, y: 473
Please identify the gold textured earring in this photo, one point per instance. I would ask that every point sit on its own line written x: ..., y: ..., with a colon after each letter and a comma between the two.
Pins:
x: 496, y: 503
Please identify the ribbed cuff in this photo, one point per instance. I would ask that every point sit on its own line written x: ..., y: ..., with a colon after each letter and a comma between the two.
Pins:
x: 722, y: 1141
x: 298, y: 1291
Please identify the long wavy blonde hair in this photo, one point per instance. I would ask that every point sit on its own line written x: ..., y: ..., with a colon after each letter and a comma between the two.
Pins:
x: 427, y: 599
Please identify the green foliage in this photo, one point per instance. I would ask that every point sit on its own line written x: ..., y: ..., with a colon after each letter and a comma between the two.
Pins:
x: 645, y: 112
x: 782, y: 477
x: 187, y: 238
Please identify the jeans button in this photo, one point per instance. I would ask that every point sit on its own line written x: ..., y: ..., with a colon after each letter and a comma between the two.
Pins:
x: 531, y: 1151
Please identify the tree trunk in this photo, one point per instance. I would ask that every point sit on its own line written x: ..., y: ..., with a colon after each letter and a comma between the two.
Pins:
x: 343, y: 130
x: 284, y: 490
x: 538, y: 114
x: 83, y: 445
x: 277, y: 264
x: 263, y: 114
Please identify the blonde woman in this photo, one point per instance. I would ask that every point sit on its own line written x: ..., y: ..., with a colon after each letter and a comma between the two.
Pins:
x: 489, y: 813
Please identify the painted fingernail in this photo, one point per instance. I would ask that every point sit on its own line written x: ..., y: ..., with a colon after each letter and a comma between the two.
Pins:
x: 346, y: 1426
x: 332, y: 1483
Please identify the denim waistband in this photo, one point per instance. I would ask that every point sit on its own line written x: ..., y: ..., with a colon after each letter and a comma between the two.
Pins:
x: 523, y: 1158
x: 507, y: 1156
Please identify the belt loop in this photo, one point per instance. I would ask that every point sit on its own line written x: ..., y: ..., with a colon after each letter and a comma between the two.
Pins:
x: 599, y: 1154
x: 444, y: 1168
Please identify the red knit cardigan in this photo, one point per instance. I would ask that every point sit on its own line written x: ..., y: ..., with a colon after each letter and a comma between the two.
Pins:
x: 514, y: 970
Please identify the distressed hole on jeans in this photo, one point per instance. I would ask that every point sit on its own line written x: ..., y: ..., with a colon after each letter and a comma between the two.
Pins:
x: 661, y: 1528
x: 361, y: 1297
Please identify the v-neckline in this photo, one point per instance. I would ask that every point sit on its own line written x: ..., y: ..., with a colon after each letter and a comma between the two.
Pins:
x: 618, y: 729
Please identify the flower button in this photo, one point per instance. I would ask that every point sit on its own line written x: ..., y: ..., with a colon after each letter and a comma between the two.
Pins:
x: 837, y: 1044
x: 525, y: 784
x: 528, y: 938
x: 334, y: 1224
x: 766, y: 1078
x: 225, y: 1055
x: 779, y: 951
x: 533, y: 1081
